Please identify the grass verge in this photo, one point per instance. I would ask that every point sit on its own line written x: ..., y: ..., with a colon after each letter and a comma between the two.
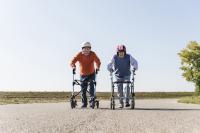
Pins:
x: 54, y: 97
x: 191, y: 99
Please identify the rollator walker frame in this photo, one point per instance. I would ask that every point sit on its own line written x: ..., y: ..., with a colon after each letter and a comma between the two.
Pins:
x: 131, y: 95
x: 73, y: 101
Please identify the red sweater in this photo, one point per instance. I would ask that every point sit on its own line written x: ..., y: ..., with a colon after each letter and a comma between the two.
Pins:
x: 86, y: 62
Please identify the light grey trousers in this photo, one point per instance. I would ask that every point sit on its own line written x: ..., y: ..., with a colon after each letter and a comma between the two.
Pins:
x: 123, y: 91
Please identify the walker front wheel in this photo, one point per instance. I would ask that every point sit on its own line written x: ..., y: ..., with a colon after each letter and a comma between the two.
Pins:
x: 133, y: 104
x: 112, y: 103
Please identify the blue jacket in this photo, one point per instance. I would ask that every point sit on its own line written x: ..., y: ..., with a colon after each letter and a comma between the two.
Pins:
x: 123, y: 65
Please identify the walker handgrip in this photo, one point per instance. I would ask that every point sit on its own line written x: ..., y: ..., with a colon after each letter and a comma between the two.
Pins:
x: 74, y: 71
x: 96, y: 71
x: 134, y: 71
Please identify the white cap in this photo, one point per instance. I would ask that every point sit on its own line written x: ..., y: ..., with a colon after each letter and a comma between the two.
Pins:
x: 86, y: 44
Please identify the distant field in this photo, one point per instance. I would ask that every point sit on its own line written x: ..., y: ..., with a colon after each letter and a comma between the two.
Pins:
x: 43, y: 97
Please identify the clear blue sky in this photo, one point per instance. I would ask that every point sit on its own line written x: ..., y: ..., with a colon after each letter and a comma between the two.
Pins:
x: 38, y: 38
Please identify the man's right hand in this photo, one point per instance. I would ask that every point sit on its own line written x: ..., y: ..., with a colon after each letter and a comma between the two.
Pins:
x: 74, y: 70
x: 97, y: 70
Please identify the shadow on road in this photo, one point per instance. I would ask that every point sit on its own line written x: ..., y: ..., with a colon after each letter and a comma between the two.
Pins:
x: 167, y: 109
x: 152, y: 109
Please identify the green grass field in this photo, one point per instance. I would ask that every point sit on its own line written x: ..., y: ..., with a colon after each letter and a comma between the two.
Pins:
x: 53, y: 97
x: 190, y: 99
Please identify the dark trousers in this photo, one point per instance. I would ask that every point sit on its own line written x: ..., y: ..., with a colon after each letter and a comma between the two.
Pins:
x: 84, y: 85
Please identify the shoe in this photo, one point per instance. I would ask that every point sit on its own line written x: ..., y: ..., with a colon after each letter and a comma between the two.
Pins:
x: 127, y: 105
x: 84, y: 106
x: 92, y: 104
x: 121, y: 106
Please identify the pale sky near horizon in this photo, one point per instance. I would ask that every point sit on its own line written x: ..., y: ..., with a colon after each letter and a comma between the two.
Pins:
x: 38, y: 38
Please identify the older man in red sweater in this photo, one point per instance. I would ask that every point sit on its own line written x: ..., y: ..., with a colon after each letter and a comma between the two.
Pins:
x: 87, y: 60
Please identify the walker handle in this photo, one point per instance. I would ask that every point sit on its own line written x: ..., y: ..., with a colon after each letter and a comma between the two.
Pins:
x: 74, y: 71
x: 133, y: 71
x: 97, y: 71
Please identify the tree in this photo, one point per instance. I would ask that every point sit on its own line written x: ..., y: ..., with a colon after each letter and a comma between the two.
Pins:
x: 190, y: 64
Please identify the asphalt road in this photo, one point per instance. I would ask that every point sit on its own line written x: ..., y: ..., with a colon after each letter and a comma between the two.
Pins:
x: 150, y: 116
